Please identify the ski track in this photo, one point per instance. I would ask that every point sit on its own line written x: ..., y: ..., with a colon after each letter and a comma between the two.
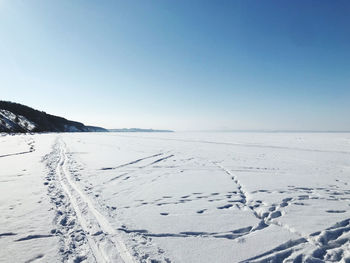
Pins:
x: 132, y: 162
x: 109, y: 248
x: 139, y: 168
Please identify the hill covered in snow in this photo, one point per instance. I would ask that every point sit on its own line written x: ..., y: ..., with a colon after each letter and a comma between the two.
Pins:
x: 18, y: 118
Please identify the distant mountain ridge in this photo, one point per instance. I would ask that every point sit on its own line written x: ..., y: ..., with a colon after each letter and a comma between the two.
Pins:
x: 137, y: 130
x: 18, y: 118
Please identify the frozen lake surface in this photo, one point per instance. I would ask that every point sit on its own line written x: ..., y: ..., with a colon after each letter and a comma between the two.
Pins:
x: 175, y: 197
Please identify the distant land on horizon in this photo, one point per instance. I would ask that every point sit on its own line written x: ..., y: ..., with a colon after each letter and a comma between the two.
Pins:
x: 137, y: 130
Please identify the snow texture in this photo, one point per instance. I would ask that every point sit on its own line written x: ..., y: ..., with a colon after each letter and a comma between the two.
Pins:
x: 174, y: 197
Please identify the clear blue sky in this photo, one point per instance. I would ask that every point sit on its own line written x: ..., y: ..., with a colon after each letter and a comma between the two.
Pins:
x: 183, y: 65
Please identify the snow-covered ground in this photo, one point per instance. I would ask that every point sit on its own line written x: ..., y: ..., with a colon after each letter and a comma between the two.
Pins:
x: 175, y: 197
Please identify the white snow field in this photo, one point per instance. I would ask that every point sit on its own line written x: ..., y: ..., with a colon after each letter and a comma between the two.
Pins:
x: 175, y: 197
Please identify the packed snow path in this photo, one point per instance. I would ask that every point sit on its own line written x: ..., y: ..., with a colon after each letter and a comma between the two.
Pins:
x: 177, y: 197
x: 102, y: 239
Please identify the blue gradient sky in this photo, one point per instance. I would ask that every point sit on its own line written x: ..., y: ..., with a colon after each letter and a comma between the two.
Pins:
x: 184, y: 65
